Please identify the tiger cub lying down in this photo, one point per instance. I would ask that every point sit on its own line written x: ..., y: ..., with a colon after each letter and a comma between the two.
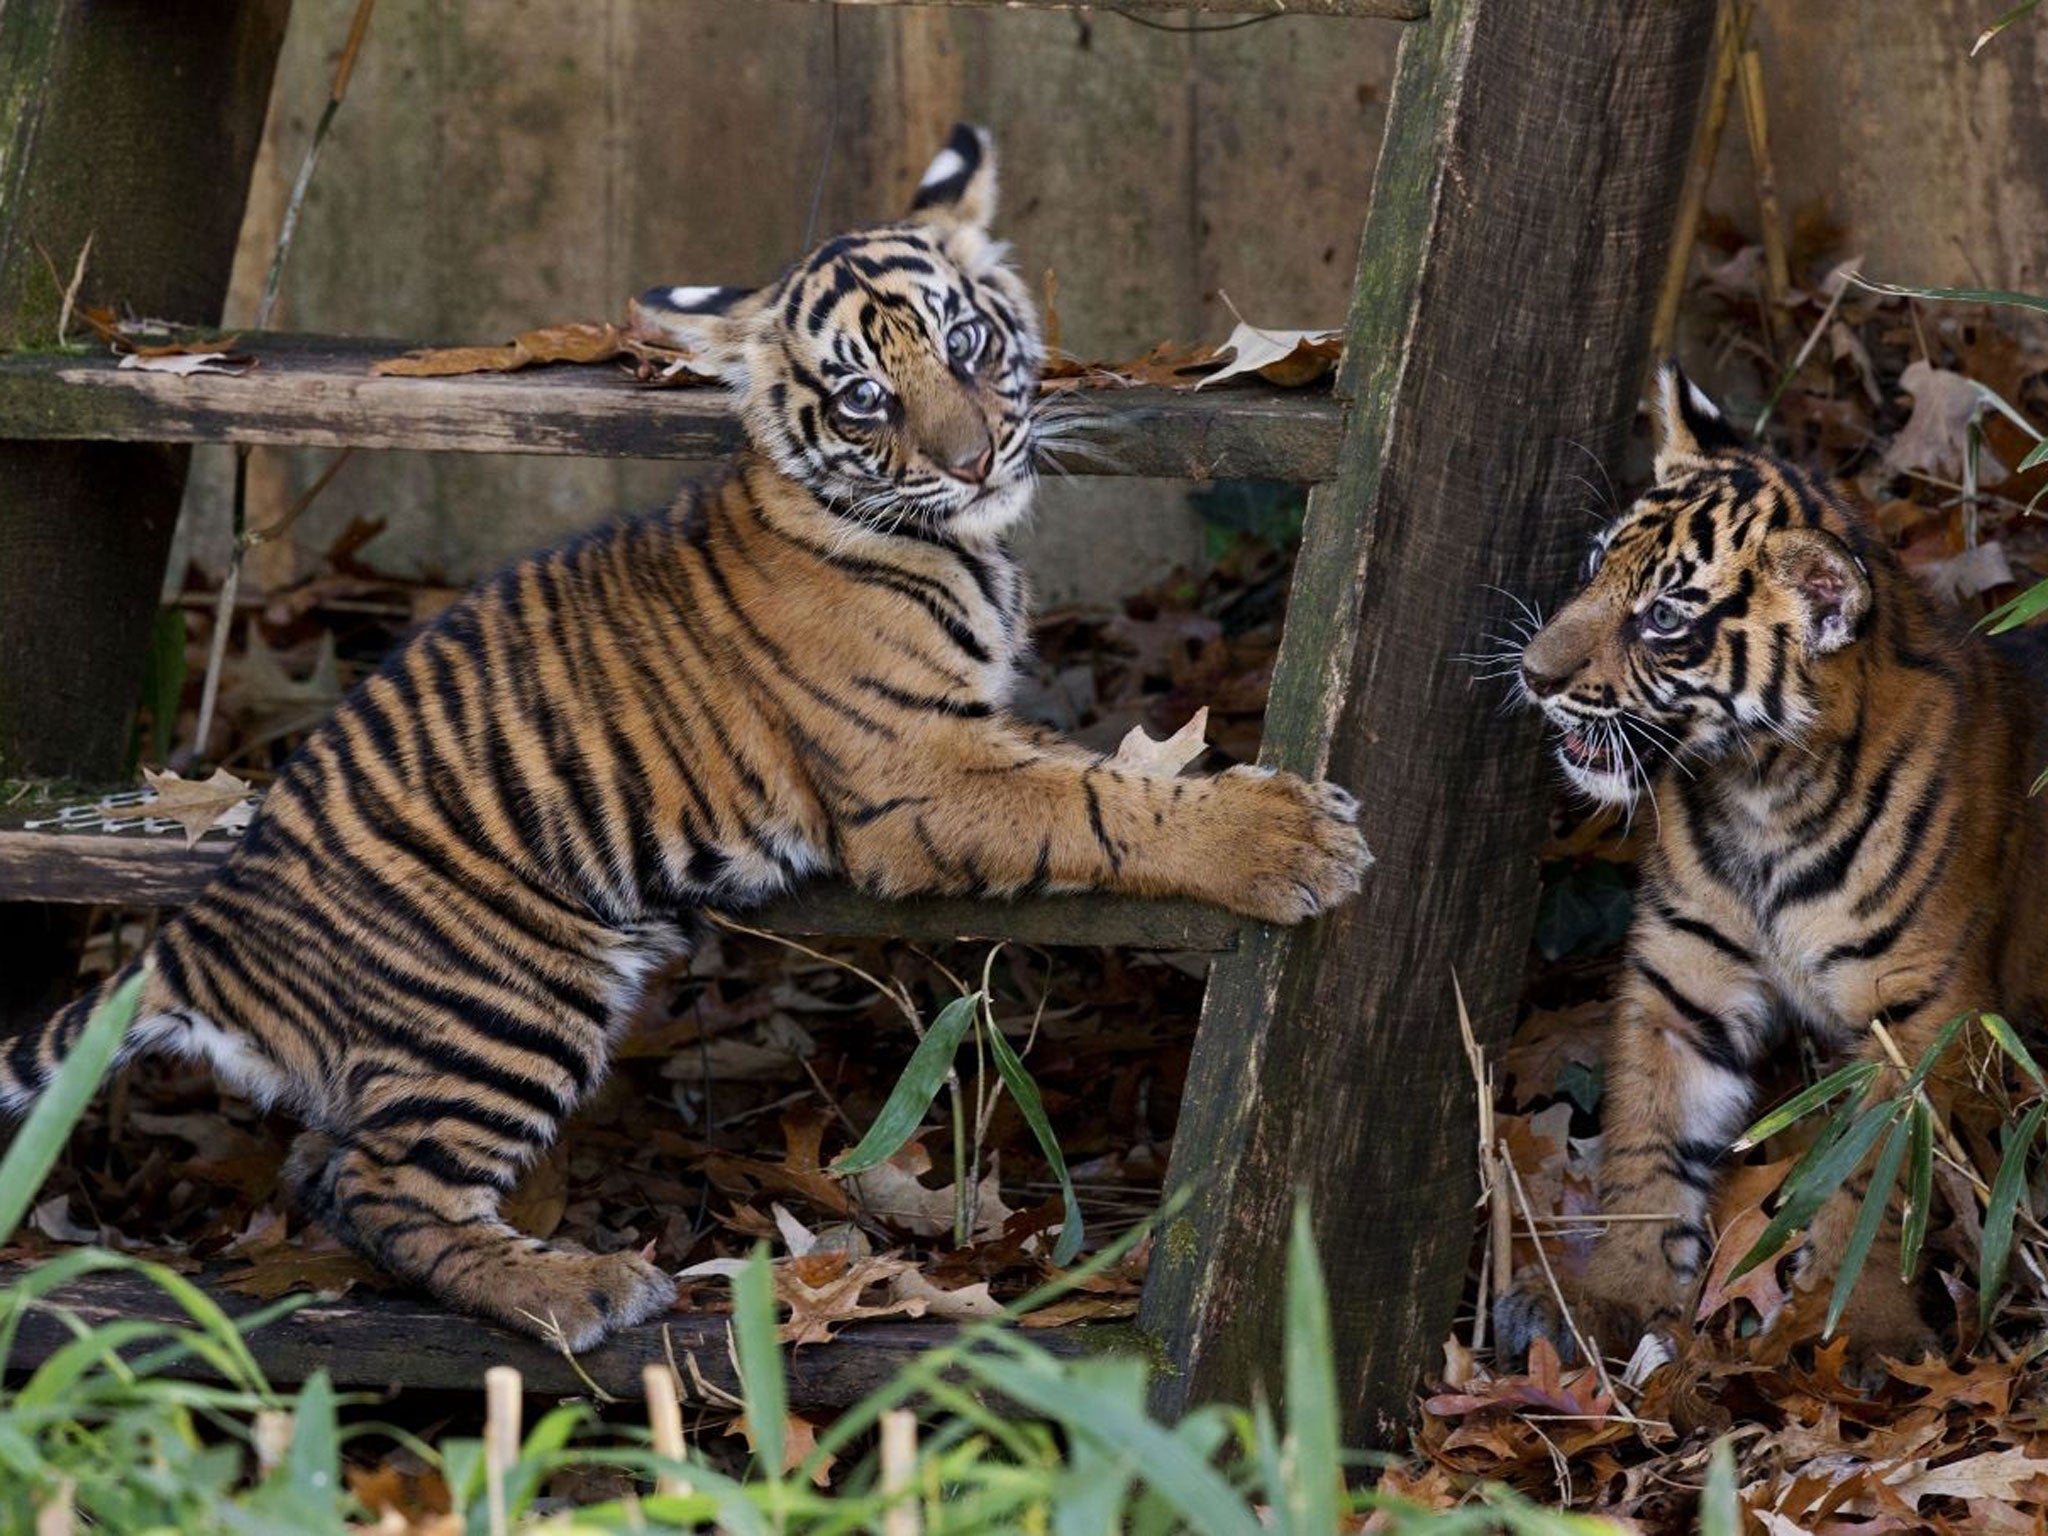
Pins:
x: 454, y: 896
x: 1842, y: 833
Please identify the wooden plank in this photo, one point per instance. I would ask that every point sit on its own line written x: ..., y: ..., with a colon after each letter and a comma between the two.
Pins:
x: 372, y: 1341
x: 319, y: 392
x: 1507, y: 276
x: 1394, y: 10
x: 141, y: 870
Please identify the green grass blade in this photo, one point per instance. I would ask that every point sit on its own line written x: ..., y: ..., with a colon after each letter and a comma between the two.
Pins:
x: 1875, y: 1199
x: 1200, y: 1494
x: 2036, y: 457
x: 1803, y: 1103
x: 40, y: 1141
x: 760, y: 1357
x: 1919, y: 1190
x: 1720, y: 1506
x: 1031, y: 1105
x: 1998, y: 26
x: 1808, y: 1186
x: 2008, y: 1039
x: 1959, y: 295
x: 2007, y: 1190
x: 1315, y: 1473
x: 922, y: 1078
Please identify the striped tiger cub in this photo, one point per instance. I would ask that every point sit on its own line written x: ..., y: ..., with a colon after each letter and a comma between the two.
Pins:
x: 1839, y: 774
x: 458, y: 890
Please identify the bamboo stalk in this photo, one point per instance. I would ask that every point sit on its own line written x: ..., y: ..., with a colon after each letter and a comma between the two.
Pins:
x: 1732, y: 24
x: 665, y: 1422
x: 503, y: 1394
x: 1756, y: 123
x: 899, y: 1473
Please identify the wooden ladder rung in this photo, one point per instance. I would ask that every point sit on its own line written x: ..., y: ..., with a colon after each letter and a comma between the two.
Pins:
x: 1392, y: 10
x: 373, y: 1341
x: 133, y: 869
x: 313, y: 391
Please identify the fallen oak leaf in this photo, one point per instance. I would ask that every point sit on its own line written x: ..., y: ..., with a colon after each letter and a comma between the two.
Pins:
x: 199, y: 806
x: 799, y: 1440
x: 1287, y: 358
x: 823, y: 1291
x: 1936, y: 437
x: 966, y: 1304
x: 575, y: 342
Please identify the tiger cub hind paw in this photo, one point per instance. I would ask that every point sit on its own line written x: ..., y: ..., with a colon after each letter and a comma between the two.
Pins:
x: 573, y: 1298
x: 1301, y: 843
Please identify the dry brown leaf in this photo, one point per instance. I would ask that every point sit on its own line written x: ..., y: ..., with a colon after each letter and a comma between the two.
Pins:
x: 966, y: 1304
x: 1289, y: 358
x: 891, y: 1192
x: 330, y: 1272
x: 1140, y: 753
x: 1935, y: 439
x: 799, y: 1439
x: 574, y: 342
x: 823, y: 1291
x: 535, y: 1206
x: 1080, y: 1309
x: 197, y: 807
x: 1959, y: 578
x: 1992, y: 1475
x: 1759, y: 1287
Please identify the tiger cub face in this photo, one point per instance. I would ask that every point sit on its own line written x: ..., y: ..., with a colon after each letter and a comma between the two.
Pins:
x: 893, y: 372
x: 1711, y: 611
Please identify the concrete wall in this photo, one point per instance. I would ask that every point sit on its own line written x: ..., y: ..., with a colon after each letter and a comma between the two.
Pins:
x: 504, y: 163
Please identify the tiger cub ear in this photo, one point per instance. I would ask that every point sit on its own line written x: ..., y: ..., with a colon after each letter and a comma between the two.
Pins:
x: 959, y: 186
x: 1829, y: 580
x: 711, y: 324
x: 1690, y: 428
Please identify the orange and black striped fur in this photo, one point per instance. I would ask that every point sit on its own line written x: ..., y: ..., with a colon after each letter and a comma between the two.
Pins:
x: 1838, y: 776
x: 457, y: 891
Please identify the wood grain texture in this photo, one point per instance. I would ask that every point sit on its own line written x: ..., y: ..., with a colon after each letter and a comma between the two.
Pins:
x: 137, y: 870
x: 131, y: 128
x: 320, y: 391
x: 1506, y: 280
x: 376, y: 1342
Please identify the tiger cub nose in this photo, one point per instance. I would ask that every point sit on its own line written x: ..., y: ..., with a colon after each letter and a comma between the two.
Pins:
x: 1543, y: 683
x: 975, y: 470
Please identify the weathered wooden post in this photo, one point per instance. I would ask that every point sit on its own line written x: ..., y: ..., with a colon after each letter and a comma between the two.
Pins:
x: 133, y: 125
x: 1508, y: 273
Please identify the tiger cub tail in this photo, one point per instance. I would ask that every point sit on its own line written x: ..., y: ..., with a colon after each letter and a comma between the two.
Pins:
x: 31, y: 1060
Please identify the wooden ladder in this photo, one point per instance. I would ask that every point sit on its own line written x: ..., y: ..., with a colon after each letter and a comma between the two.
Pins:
x: 1521, y: 209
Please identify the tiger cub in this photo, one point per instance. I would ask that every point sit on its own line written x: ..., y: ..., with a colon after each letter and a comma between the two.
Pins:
x: 1843, y: 832
x: 454, y: 896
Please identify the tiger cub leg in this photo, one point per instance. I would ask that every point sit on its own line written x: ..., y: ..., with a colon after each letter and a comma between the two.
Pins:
x: 426, y: 1209
x: 1688, y: 1028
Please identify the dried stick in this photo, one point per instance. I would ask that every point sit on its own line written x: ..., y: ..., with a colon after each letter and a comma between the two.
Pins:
x: 55, y: 1515
x: 899, y: 1473
x: 1586, y: 1350
x: 665, y: 1422
x: 1777, y: 273
x: 502, y: 1405
x: 1500, y: 1271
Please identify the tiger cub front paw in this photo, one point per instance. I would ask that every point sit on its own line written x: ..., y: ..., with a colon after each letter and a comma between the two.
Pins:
x: 1292, y: 845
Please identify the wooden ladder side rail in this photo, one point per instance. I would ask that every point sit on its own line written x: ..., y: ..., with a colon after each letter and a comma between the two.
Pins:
x: 1507, y: 277
x: 1391, y: 10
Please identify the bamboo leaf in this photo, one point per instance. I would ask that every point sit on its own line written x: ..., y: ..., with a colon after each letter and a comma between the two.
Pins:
x: 1960, y: 295
x: 2036, y: 456
x: 1875, y: 1199
x: 2029, y: 605
x: 1803, y: 1103
x: 1808, y: 1186
x: 1936, y: 1048
x: 2008, y: 1039
x: 2001, y: 1211
x: 42, y: 1136
x: 1919, y: 1190
x: 2001, y: 24
x: 922, y: 1078
x: 1031, y: 1105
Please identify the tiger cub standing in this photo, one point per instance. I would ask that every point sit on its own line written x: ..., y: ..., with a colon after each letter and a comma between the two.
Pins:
x: 1843, y: 833
x: 452, y: 899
